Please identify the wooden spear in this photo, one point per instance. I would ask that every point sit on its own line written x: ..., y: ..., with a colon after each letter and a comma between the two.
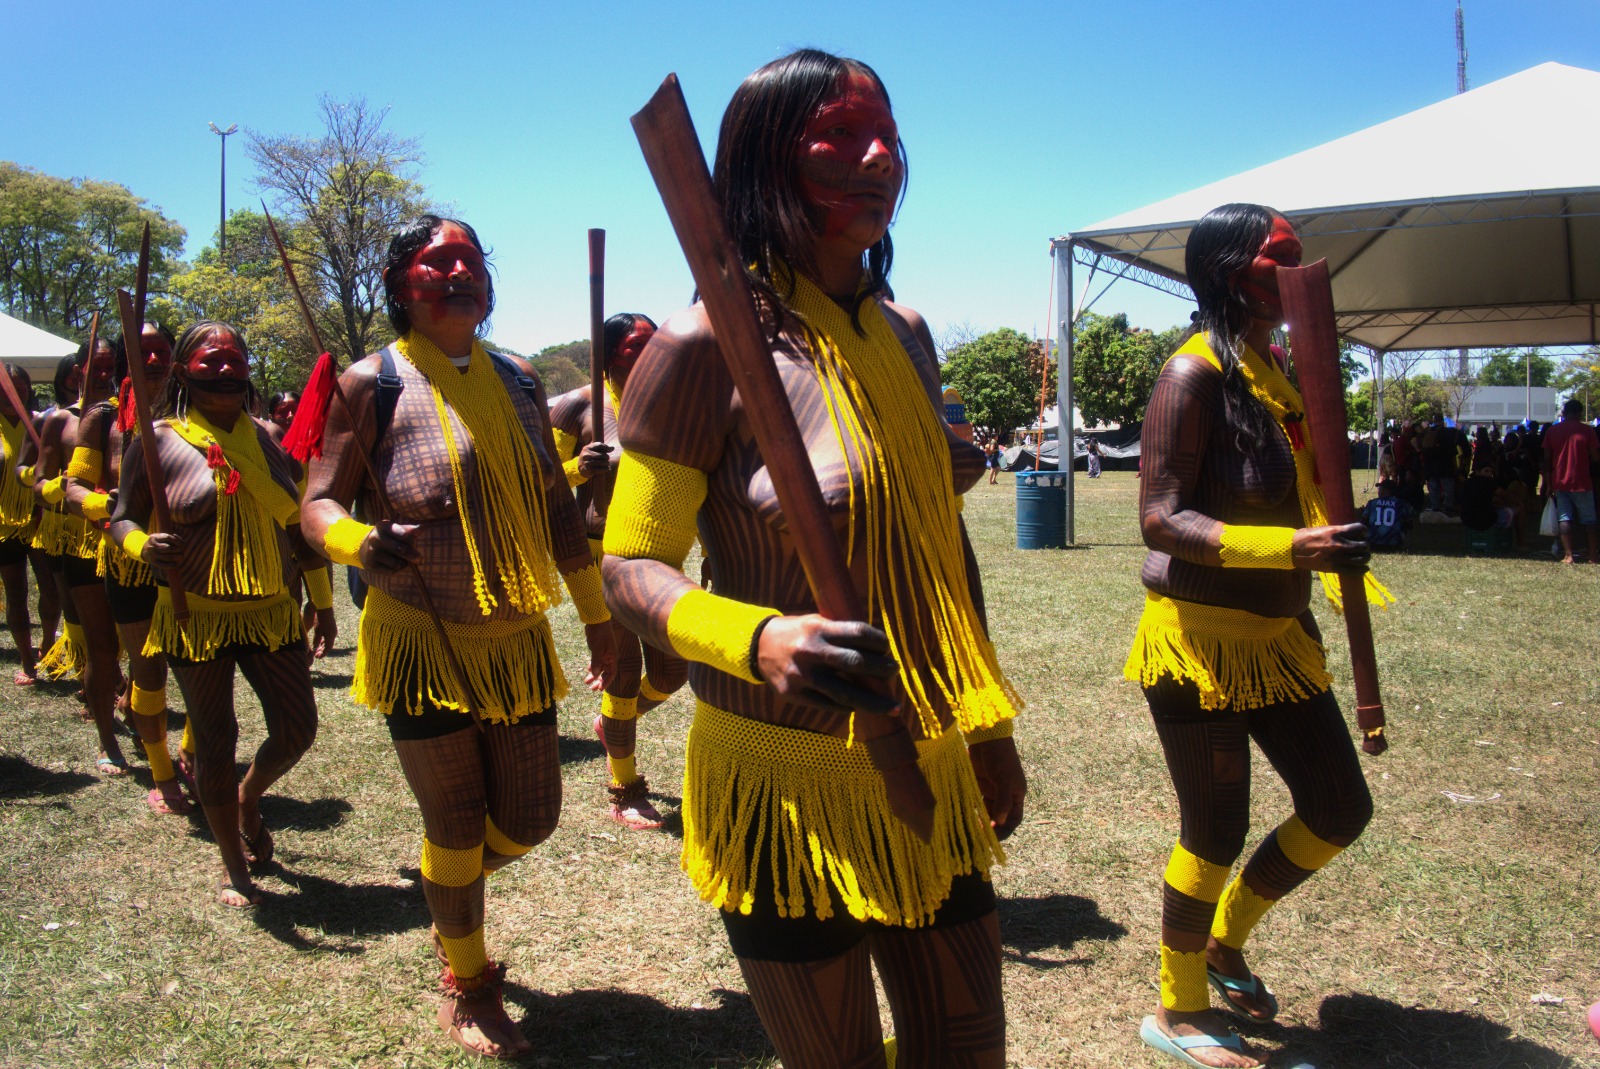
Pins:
x: 1307, y: 296
x: 457, y: 672
x: 672, y: 150
x: 597, y: 358
x: 9, y: 388
x: 86, y: 395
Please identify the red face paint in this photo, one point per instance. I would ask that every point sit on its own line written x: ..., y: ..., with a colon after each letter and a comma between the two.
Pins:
x: 1259, y: 281
x: 283, y: 412
x: 218, y: 365
x: 628, y: 350
x: 102, y: 365
x: 849, y: 163
x: 449, y: 275
x: 157, y: 351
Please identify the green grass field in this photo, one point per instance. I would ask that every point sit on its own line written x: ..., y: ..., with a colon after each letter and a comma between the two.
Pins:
x: 1424, y: 945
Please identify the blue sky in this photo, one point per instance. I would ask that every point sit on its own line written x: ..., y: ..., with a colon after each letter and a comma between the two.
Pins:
x: 1022, y: 120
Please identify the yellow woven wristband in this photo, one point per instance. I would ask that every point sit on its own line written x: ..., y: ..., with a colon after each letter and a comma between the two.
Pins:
x: 87, y: 464
x: 97, y: 506
x: 26, y: 474
x: 1257, y: 547
x: 717, y: 631
x: 588, y: 594
x: 53, y: 490
x: 133, y: 545
x: 574, y: 476
x: 319, y: 591
x: 1001, y: 730
x: 342, y: 542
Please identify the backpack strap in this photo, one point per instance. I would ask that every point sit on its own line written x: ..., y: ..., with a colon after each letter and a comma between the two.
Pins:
x: 526, y: 383
x: 384, y: 401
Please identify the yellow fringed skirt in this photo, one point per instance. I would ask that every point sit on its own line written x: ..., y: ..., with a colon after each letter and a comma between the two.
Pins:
x: 815, y: 812
x: 272, y: 622
x: 122, y: 569
x: 1236, y: 659
x: 62, y: 535
x: 511, y: 665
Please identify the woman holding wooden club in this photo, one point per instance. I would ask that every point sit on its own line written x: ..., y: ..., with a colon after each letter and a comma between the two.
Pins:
x: 788, y: 828
x: 235, y: 540
x: 1227, y: 649
x: 474, y: 522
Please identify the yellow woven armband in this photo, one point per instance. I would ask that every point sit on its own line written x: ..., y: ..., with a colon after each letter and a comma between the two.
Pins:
x: 97, y: 506
x: 1257, y: 547
x: 53, y: 490
x: 26, y: 474
x: 319, y: 591
x: 588, y: 594
x: 1002, y: 730
x: 342, y: 542
x: 716, y: 631
x: 87, y: 464
x: 653, y: 509
x: 133, y: 545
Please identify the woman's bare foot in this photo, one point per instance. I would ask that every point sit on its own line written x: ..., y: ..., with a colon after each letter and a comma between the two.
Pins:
x: 477, y: 1020
x: 24, y: 678
x: 238, y: 894
x: 257, y: 843
x: 1206, y: 1023
x: 1230, y: 963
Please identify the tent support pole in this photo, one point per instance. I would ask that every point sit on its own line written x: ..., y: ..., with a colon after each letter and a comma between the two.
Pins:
x: 1064, y: 347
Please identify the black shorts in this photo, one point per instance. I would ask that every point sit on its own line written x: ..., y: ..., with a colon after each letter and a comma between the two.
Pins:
x: 78, y: 571
x: 235, y: 650
x: 763, y: 935
x: 130, y: 604
x: 13, y: 551
x: 57, y: 566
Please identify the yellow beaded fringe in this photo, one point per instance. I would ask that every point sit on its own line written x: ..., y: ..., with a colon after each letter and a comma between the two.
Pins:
x: 272, y: 622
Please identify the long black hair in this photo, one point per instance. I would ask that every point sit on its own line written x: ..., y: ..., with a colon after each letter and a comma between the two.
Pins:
x: 191, y: 340
x: 619, y: 327
x: 758, y: 149
x: 413, y: 236
x: 1221, y: 246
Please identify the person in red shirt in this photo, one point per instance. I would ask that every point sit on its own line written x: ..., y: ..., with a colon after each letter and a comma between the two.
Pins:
x: 1571, y: 449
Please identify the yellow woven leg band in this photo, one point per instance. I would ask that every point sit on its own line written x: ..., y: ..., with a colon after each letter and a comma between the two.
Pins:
x: 160, y: 762
x: 623, y: 770
x: 649, y: 693
x: 1257, y: 547
x: 186, y: 744
x: 1183, y: 980
x: 467, y: 956
x: 615, y: 708
x: 451, y: 868
x: 1303, y: 848
x: 1195, y: 876
x: 342, y: 542
x: 588, y: 594
x: 1237, y: 914
x: 716, y: 631
x: 148, y: 702
x: 499, y: 841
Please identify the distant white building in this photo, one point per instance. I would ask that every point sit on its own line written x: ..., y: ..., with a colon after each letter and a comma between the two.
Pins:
x: 1509, y: 404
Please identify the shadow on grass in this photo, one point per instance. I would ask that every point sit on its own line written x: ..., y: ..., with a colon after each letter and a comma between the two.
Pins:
x: 282, y: 813
x: 323, y: 680
x: 20, y: 777
x: 1361, y: 1030
x: 338, y: 911
x: 580, y: 749
x: 1051, y: 922
x: 588, y: 1026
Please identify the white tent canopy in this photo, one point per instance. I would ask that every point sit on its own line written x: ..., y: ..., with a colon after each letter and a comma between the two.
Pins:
x: 1472, y: 222
x: 35, y: 351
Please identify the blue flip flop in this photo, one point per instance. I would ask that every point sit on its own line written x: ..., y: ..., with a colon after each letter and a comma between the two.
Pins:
x: 1251, y: 988
x: 1178, y: 1046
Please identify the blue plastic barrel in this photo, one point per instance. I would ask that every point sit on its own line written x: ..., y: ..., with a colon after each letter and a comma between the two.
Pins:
x: 1042, y: 509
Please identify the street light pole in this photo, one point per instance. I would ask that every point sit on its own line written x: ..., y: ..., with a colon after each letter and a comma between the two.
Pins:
x: 222, y: 225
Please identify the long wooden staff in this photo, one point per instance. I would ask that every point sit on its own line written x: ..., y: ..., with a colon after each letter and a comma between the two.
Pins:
x: 9, y: 388
x: 133, y: 343
x: 86, y: 395
x: 672, y: 150
x: 597, y: 357
x: 457, y: 672
x: 1307, y: 297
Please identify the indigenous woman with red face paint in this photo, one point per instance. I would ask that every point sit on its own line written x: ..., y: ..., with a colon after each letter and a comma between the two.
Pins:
x: 104, y: 434
x: 460, y: 438
x: 787, y: 826
x: 71, y: 540
x: 235, y: 540
x: 644, y: 677
x: 1227, y: 649
x: 280, y: 413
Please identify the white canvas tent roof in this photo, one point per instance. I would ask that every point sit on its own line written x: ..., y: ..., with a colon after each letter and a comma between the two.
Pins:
x: 35, y: 351
x: 1471, y: 222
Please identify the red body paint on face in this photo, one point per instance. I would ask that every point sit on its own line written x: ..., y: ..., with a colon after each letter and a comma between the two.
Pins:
x: 628, y: 350
x: 218, y: 363
x: 849, y: 163
x: 283, y: 414
x: 1259, y: 281
x: 157, y: 352
x: 449, y: 272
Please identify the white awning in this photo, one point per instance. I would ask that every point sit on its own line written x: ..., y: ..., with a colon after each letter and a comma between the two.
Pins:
x: 35, y: 351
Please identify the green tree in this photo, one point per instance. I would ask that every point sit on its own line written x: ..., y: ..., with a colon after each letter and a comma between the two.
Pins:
x: 1359, y: 411
x: 1511, y: 367
x: 563, y: 367
x: 999, y: 376
x: 67, y: 244
x: 1579, y: 377
x: 347, y: 192
x: 1114, y: 367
